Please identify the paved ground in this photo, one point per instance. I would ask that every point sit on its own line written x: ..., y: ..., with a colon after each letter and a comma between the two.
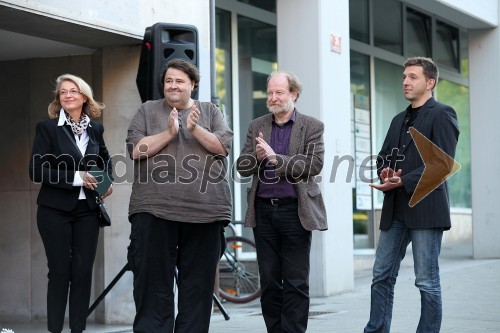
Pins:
x: 471, y: 302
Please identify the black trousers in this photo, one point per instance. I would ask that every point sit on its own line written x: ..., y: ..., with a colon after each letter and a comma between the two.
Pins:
x: 157, y: 247
x: 70, y: 241
x: 283, y: 249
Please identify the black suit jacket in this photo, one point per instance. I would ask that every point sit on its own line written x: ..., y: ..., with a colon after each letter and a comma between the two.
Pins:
x: 55, y: 158
x: 437, y: 122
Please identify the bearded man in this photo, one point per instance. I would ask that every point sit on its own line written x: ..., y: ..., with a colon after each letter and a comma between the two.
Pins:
x: 283, y: 154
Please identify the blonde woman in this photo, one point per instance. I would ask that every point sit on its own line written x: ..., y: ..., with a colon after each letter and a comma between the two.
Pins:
x: 64, y: 148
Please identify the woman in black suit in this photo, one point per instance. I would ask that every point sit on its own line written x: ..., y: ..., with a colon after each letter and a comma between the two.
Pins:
x: 65, y: 147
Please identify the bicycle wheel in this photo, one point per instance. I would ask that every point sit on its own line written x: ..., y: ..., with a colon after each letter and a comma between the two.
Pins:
x: 238, y: 271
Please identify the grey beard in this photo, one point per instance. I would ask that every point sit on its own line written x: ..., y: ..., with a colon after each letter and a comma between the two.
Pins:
x: 274, y: 109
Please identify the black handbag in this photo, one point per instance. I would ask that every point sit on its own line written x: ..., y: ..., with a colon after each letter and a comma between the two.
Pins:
x: 104, y: 220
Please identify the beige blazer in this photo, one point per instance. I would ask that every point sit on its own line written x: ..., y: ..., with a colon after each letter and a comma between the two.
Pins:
x: 303, y: 164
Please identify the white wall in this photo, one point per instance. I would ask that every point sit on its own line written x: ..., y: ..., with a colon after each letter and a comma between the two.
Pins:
x: 304, y: 29
x: 484, y: 57
x: 484, y: 10
x: 127, y: 17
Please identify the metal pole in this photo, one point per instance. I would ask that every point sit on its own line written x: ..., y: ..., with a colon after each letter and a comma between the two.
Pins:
x: 213, y: 83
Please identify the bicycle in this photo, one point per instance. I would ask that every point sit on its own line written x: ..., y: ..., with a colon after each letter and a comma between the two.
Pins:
x: 239, y: 280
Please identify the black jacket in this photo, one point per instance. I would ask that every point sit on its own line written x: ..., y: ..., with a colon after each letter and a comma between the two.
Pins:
x: 438, y: 123
x: 55, y: 158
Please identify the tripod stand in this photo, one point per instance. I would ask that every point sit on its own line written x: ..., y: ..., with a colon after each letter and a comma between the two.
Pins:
x: 120, y: 274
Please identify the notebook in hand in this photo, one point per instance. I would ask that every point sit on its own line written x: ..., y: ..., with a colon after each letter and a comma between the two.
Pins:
x: 103, y: 180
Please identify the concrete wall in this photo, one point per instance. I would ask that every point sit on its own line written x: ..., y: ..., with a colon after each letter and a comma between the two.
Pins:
x: 484, y: 55
x: 26, y: 92
x: 15, y: 255
x: 119, y: 68
x: 461, y: 227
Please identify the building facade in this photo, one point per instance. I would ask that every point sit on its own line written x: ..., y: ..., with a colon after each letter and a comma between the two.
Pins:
x: 348, y: 54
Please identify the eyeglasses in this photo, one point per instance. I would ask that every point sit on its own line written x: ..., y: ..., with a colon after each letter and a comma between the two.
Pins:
x: 72, y: 92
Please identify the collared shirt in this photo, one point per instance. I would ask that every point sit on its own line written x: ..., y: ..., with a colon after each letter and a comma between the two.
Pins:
x: 82, y: 143
x: 270, y: 186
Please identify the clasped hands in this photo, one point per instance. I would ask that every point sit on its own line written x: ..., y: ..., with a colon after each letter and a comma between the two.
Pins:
x: 390, y: 180
x: 263, y: 150
x: 192, y: 120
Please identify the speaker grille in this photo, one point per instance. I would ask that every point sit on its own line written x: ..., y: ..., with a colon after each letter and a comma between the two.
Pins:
x: 168, y: 52
x: 190, y: 54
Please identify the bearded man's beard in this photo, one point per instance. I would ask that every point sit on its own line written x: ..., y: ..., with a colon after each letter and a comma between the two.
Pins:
x: 281, y: 108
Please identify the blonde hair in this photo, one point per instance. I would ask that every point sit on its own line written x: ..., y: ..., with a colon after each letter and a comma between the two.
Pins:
x: 91, y: 107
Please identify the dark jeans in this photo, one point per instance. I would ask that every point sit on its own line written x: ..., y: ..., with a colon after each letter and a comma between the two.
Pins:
x: 70, y: 241
x: 426, y: 246
x: 157, y: 247
x: 283, y: 248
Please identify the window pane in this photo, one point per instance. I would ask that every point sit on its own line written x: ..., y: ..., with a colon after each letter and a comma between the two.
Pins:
x: 464, y: 54
x: 387, y: 25
x: 360, y: 74
x: 446, y: 45
x: 223, y: 62
x: 363, y: 218
x: 269, y: 5
x: 457, y: 96
x: 419, y: 34
x: 223, y: 72
x: 359, y: 20
x: 257, y: 58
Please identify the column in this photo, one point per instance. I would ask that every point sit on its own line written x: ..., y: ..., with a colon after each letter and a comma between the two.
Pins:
x: 306, y: 32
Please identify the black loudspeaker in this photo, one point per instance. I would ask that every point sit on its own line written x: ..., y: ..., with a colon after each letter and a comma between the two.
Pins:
x: 163, y: 42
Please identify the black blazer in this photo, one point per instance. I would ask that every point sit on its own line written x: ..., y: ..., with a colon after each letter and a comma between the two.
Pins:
x: 55, y: 158
x: 437, y: 122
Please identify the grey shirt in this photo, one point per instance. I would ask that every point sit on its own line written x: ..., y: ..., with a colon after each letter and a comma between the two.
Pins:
x: 183, y: 182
